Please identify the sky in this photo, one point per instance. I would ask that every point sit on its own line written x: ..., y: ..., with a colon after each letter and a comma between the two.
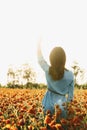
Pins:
x: 58, y: 23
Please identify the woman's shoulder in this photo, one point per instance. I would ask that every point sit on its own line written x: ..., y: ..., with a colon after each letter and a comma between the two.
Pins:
x: 69, y: 74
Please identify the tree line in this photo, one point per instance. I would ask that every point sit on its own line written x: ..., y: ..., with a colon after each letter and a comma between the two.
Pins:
x: 25, y: 77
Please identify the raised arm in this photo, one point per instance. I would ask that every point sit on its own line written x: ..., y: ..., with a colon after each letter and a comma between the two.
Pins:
x: 39, y: 52
x: 41, y: 59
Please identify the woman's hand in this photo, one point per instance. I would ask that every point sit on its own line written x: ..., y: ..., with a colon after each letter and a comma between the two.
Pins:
x: 39, y: 47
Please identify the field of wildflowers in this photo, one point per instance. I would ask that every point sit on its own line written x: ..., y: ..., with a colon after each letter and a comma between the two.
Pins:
x: 21, y: 109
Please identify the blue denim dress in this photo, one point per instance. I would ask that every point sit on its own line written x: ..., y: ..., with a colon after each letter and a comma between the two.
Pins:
x: 57, y: 90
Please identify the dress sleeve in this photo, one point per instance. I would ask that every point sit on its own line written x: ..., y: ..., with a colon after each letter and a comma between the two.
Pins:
x: 43, y: 63
x: 41, y: 59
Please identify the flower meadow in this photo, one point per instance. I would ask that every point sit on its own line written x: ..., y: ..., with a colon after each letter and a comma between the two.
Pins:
x: 21, y: 109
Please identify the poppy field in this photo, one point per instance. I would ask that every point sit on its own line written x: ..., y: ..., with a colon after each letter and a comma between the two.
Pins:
x: 21, y: 109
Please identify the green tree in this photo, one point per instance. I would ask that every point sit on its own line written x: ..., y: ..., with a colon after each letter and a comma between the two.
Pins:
x: 79, y: 73
x: 11, y: 76
x: 28, y: 74
x: 21, y: 75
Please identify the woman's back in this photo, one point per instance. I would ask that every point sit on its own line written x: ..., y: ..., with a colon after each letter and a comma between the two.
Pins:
x: 60, y: 81
x: 61, y: 86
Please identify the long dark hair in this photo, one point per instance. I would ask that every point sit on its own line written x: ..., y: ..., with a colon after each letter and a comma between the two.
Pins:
x: 57, y: 60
